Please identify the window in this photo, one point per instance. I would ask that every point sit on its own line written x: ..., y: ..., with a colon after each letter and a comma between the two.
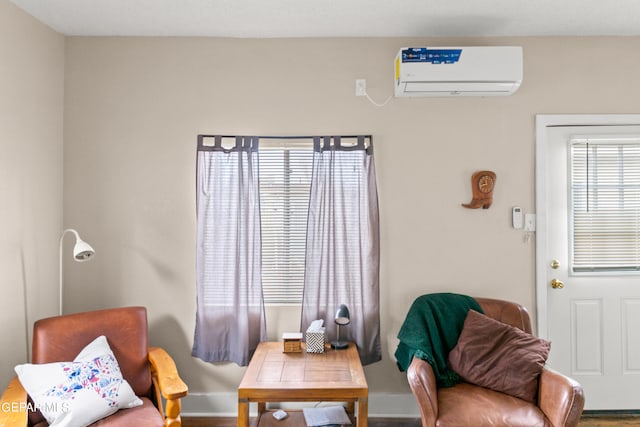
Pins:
x: 285, y: 178
x: 267, y: 234
x: 605, y: 205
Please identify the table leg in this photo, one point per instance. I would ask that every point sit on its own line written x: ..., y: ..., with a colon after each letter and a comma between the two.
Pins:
x: 351, y: 407
x: 363, y: 412
x: 243, y: 413
x: 262, y: 407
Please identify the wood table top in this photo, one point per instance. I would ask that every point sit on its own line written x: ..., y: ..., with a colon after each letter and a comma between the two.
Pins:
x: 304, y: 376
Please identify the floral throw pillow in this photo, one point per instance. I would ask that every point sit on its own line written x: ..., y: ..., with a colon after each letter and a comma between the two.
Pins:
x: 81, y: 392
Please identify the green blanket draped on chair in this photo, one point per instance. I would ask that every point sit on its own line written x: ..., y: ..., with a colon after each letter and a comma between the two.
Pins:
x: 431, y: 330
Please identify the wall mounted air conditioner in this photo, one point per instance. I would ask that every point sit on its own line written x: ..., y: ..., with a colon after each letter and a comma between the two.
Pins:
x: 458, y: 71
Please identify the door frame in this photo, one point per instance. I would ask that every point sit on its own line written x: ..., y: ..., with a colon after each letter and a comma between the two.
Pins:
x: 543, y: 121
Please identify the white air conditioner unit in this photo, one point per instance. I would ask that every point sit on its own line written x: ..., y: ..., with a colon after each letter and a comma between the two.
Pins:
x: 458, y: 71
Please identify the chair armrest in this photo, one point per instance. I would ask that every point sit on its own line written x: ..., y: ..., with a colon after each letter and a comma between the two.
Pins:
x: 13, y: 409
x: 422, y: 381
x: 560, y: 398
x: 164, y: 369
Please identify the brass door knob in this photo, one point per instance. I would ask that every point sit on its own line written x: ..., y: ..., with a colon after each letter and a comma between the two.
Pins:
x: 557, y: 284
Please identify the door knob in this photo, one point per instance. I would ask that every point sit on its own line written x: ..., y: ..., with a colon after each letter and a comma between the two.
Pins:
x: 557, y: 284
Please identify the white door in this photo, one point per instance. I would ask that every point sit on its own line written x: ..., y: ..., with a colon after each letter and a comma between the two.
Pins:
x: 588, y: 305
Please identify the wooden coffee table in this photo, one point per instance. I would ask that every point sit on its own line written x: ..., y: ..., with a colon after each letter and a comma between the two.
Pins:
x: 274, y: 376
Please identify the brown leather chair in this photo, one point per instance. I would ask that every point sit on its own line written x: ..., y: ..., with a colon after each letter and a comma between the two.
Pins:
x: 560, y: 399
x: 151, y: 372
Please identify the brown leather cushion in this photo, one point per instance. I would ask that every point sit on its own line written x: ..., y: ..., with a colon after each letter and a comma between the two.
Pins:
x: 146, y: 415
x: 470, y: 405
x: 61, y: 338
x: 500, y: 357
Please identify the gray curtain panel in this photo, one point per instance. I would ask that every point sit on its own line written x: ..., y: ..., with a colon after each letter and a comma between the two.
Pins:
x: 230, y: 319
x: 343, y: 243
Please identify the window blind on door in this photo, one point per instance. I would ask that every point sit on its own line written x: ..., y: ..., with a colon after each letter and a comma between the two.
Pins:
x: 605, y: 204
x: 285, y: 178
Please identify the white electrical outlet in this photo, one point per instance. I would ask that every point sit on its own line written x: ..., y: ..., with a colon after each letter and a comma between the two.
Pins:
x: 361, y: 87
x: 530, y: 222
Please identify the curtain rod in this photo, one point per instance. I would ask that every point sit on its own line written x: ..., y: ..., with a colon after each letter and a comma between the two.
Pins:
x: 320, y: 143
x: 284, y: 137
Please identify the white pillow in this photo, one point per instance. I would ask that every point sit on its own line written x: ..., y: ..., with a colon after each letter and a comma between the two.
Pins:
x: 81, y: 392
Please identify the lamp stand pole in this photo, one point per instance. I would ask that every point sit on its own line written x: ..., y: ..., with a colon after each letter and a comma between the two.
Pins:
x: 338, y: 344
x: 60, y: 274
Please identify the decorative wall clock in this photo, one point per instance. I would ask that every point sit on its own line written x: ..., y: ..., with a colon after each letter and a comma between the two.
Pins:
x: 482, y: 184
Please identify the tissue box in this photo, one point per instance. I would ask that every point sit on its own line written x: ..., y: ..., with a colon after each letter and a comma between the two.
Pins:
x: 315, y: 341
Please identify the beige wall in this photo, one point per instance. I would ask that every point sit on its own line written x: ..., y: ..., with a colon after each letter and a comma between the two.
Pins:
x: 135, y: 105
x: 31, y: 108
x: 133, y: 108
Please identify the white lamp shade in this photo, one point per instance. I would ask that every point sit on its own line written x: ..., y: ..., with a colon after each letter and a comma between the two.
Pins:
x: 82, y: 251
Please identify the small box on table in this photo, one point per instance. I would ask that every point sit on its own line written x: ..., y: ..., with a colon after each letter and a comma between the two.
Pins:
x: 292, y: 342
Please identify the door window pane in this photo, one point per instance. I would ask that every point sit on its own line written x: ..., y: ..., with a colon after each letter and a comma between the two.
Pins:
x: 605, y: 205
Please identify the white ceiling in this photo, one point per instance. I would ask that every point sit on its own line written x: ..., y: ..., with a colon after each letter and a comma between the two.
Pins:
x: 337, y: 18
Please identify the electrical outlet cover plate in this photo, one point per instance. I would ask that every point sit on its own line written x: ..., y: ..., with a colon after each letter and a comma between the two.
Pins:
x: 361, y: 87
x: 530, y: 222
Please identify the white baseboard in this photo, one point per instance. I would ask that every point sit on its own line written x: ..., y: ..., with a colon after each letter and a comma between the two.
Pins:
x: 381, y: 405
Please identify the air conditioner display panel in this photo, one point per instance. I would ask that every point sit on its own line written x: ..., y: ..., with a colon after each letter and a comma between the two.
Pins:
x: 434, y: 56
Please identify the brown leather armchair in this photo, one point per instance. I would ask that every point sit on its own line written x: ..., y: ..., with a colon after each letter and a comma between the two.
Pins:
x: 151, y: 372
x: 560, y: 399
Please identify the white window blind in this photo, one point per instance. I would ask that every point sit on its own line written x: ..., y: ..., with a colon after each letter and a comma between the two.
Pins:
x: 605, y: 205
x: 285, y: 178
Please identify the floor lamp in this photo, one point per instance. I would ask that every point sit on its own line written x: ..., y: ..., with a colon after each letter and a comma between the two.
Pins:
x: 82, y: 251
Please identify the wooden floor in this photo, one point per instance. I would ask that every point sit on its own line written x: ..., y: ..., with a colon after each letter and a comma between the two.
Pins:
x: 609, y: 421
x: 587, y: 421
